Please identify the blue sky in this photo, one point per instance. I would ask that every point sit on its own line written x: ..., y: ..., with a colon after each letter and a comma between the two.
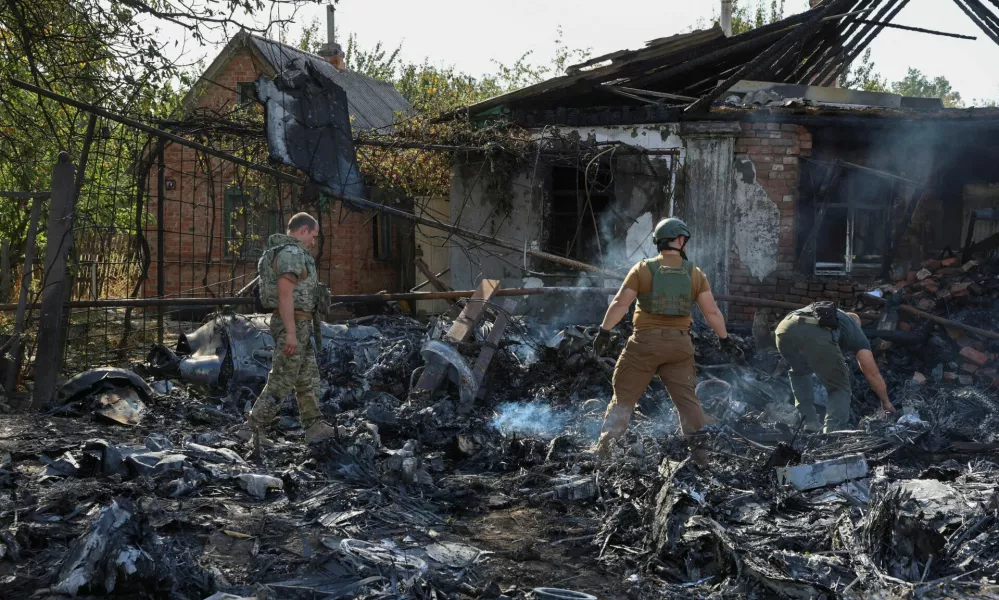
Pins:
x: 469, y: 34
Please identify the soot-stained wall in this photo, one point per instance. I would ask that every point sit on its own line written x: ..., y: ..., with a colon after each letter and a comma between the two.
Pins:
x: 642, y: 189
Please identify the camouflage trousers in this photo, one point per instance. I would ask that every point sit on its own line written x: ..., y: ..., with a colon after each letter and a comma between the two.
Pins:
x: 298, y: 372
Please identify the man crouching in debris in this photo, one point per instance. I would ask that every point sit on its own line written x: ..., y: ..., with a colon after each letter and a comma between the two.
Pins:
x: 813, y: 340
x: 666, y: 287
x: 289, y: 285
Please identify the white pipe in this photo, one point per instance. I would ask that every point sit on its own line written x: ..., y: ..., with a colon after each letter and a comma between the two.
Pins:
x: 726, y: 17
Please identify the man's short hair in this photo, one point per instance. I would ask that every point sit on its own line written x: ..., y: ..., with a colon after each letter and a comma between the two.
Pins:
x: 300, y: 220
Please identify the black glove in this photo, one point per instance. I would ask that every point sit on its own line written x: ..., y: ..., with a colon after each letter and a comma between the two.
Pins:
x: 729, y: 347
x: 601, y: 342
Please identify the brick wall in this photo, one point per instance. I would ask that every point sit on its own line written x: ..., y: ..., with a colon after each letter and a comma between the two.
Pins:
x: 195, y: 258
x: 775, y: 150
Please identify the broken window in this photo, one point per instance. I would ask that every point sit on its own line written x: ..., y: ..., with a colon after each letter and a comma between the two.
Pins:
x: 247, y: 224
x: 382, y: 226
x: 575, y: 211
x: 848, y: 226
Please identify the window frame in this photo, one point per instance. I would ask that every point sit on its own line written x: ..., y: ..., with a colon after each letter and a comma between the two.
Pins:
x: 232, y: 195
x: 384, y: 239
x: 246, y: 93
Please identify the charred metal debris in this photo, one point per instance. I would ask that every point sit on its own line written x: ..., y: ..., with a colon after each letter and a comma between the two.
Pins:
x: 462, y: 469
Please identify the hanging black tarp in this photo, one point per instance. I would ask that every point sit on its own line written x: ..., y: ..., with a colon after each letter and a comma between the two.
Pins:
x: 308, y: 126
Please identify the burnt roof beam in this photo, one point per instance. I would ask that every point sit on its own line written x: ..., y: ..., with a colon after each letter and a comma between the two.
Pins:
x: 859, y: 41
x: 801, y: 73
x: 975, y: 14
x: 860, y: 37
x: 959, y: 36
x: 692, y: 58
x: 856, y: 46
x: 986, y: 15
x: 703, y: 60
x: 765, y: 59
x: 795, y: 58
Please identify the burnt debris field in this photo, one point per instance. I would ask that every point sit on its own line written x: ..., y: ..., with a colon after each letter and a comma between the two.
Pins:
x: 136, y: 485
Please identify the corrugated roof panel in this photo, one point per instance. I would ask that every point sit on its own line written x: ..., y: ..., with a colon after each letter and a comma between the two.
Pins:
x: 372, y: 104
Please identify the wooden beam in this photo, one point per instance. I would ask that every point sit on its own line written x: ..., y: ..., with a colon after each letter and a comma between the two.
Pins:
x: 462, y: 327
x: 427, y: 282
x: 492, y: 344
x: 432, y: 279
x: 765, y: 59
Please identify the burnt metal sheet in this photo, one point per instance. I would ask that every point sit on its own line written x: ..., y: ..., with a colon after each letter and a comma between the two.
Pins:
x: 93, y: 381
x: 308, y: 126
x: 372, y: 104
x: 233, y: 350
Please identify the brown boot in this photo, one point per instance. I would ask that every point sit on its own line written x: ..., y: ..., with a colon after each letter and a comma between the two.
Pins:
x: 257, y: 443
x: 697, y: 443
x: 603, y: 446
x: 319, y: 432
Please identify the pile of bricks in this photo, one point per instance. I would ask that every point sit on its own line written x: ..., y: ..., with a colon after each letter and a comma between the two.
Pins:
x: 951, y: 289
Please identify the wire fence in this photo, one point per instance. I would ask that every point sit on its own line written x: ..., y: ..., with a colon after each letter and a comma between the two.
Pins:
x: 155, y: 219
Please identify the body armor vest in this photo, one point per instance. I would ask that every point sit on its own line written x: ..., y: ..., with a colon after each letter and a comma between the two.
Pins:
x: 306, y: 291
x: 670, y: 293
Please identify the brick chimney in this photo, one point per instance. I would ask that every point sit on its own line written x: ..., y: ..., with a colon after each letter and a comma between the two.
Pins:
x: 331, y: 50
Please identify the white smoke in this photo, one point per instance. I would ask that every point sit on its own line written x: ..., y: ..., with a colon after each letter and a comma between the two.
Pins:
x: 534, y: 419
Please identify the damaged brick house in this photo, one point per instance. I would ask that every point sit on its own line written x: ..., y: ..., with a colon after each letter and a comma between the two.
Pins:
x: 794, y: 188
x: 216, y: 216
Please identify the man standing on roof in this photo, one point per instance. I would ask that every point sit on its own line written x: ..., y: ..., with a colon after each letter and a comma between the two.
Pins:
x: 813, y: 340
x: 289, y: 285
x: 667, y: 287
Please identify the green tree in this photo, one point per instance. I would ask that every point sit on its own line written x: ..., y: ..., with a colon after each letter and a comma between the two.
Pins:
x: 915, y: 83
x: 746, y: 19
x: 863, y: 76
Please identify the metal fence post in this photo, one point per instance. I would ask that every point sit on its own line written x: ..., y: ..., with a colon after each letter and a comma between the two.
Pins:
x: 48, y: 357
x: 160, y: 215
x: 5, y: 273
x: 70, y: 282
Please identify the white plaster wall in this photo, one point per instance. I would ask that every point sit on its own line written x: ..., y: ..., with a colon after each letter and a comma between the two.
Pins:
x: 638, y: 244
x: 756, y: 222
x: 651, y: 137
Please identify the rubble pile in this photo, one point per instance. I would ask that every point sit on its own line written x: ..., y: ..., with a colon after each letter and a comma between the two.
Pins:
x: 136, y: 485
x: 964, y: 293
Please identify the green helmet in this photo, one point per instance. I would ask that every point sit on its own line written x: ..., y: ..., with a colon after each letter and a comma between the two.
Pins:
x: 670, y: 229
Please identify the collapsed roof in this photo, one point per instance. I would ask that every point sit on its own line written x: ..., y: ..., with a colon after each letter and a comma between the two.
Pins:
x: 694, y: 69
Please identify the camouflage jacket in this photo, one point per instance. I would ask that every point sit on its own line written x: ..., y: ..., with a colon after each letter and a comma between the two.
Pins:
x: 285, y: 254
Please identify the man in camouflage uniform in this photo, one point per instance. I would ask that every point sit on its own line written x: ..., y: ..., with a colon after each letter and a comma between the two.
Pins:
x: 290, y: 286
x: 667, y: 287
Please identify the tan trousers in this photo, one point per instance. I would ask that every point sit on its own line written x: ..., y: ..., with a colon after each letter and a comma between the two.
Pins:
x: 668, y: 352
